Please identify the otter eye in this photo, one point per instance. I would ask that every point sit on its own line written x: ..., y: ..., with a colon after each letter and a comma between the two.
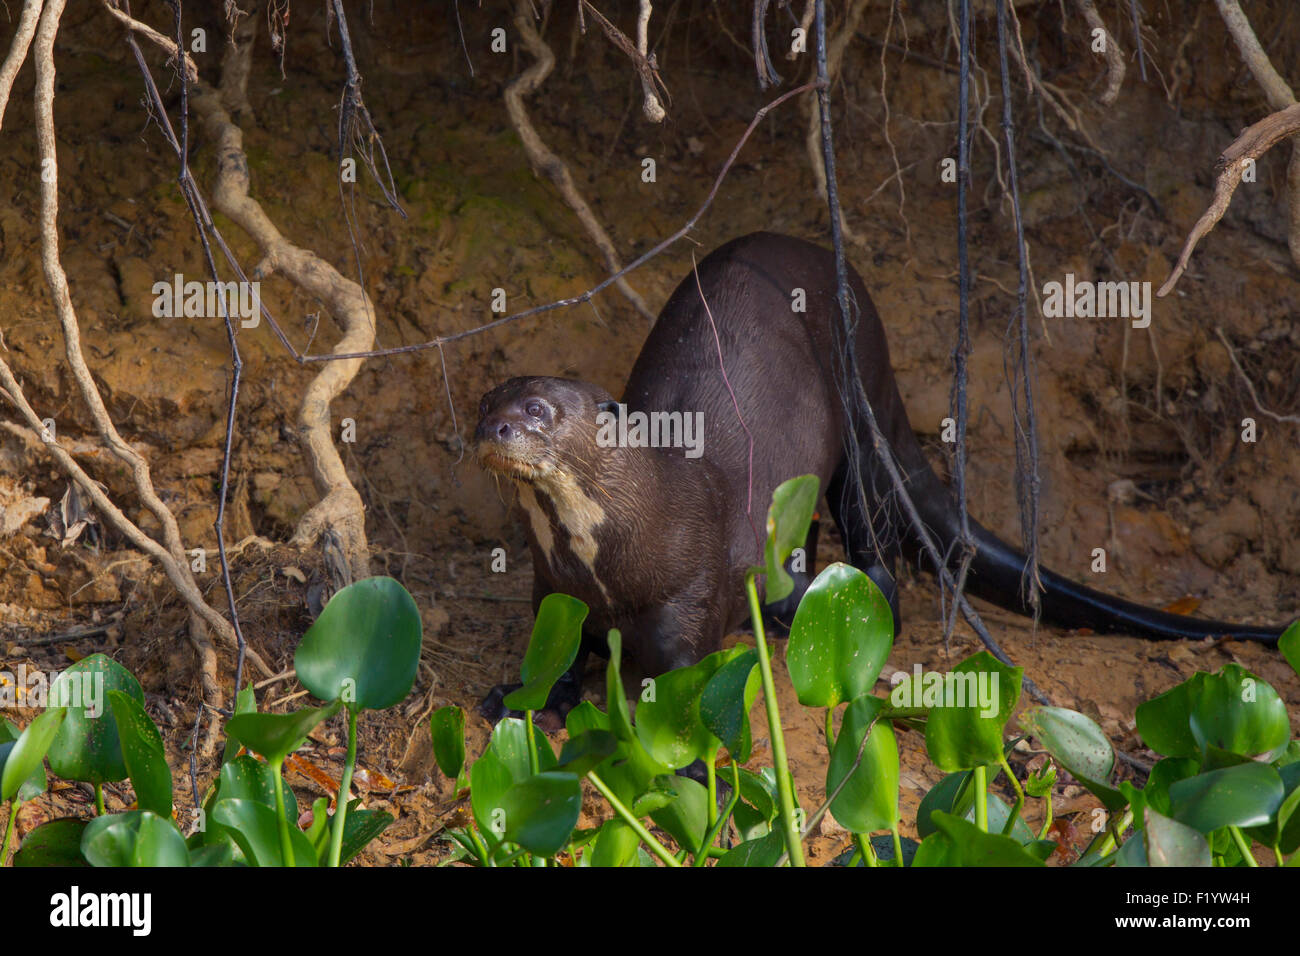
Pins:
x: 535, y: 409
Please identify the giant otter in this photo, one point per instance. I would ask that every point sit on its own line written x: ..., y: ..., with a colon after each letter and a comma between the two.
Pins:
x: 657, y: 542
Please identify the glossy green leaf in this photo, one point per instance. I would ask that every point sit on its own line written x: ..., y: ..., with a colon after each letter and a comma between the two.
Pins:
x: 364, y: 649
x: 56, y: 843
x: 1246, y: 795
x: 1170, y: 843
x: 245, y: 703
x: 840, y: 638
x: 510, y: 743
x: 247, y: 778
x: 359, y: 828
x: 726, y: 700
x: 615, y: 845
x: 669, y: 725
x: 275, y: 736
x: 788, y: 518
x: 1289, y: 645
x: 1077, y: 744
x: 762, y: 852
x: 1236, y: 711
x: 971, y: 846
x: 86, y: 746
x: 869, y: 800
x: 1163, y: 775
x: 686, y: 818
x: 489, y: 779
x: 557, y: 633
x: 447, y: 724
x: 142, y: 749
x: 953, y: 794
x: 975, y: 700
x: 253, y: 827
x: 22, y: 769
x: 541, y: 811
x: 587, y: 751
x: 135, y: 838
x: 1163, y: 722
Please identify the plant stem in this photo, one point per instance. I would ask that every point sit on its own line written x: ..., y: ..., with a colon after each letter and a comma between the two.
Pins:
x: 898, y: 845
x: 711, y: 774
x: 865, y: 848
x: 716, y: 826
x: 99, y: 799
x: 830, y: 729
x: 281, y: 824
x: 982, y: 798
x: 1111, y: 839
x: 534, y: 767
x: 1047, y: 823
x: 13, y: 815
x: 1020, y: 797
x: 784, y: 784
x: 1246, y: 856
x: 655, y: 847
x: 345, y: 785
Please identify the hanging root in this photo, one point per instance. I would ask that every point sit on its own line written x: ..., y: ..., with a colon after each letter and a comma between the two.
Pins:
x: 546, y: 163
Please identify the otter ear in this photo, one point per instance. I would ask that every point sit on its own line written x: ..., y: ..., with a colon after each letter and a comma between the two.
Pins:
x: 610, y: 406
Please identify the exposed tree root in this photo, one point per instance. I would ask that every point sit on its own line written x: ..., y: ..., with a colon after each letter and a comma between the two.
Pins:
x: 544, y: 161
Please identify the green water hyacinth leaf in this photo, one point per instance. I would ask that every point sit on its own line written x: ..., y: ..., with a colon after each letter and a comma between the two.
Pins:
x: 620, y: 717
x: 510, y: 743
x: 364, y: 648
x: 1236, y: 711
x: 840, y: 638
x: 134, y: 838
x: 686, y: 818
x: 447, y: 724
x: 953, y: 794
x: 1170, y: 843
x: 793, y: 503
x: 541, y: 812
x: 968, y: 845
x: 585, y: 752
x: 275, y: 736
x: 727, y: 698
x: 247, y: 778
x: 761, y: 852
x: 56, y: 843
x: 1164, y: 722
x: 359, y: 828
x: 489, y: 779
x: 86, y: 746
x: 142, y: 749
x: 557, y: 632
x: 253, y: 827
x: 1246, y: 795
x: 23, y: 773
x: 966, y: 736
x: 669, y: 724
x: 1079, y: 745
x: 615, y: 845
x: 869, y: 800
x: 1289, y: 645
x: 245, y: 703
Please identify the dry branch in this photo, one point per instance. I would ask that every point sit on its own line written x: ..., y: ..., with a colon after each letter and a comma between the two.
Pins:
x: 544, y: 161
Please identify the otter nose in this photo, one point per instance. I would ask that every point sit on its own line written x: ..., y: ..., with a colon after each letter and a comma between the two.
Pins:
x: 492, y: 427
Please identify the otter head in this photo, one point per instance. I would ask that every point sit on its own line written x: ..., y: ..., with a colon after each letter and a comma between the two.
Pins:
x: 538, y: 430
